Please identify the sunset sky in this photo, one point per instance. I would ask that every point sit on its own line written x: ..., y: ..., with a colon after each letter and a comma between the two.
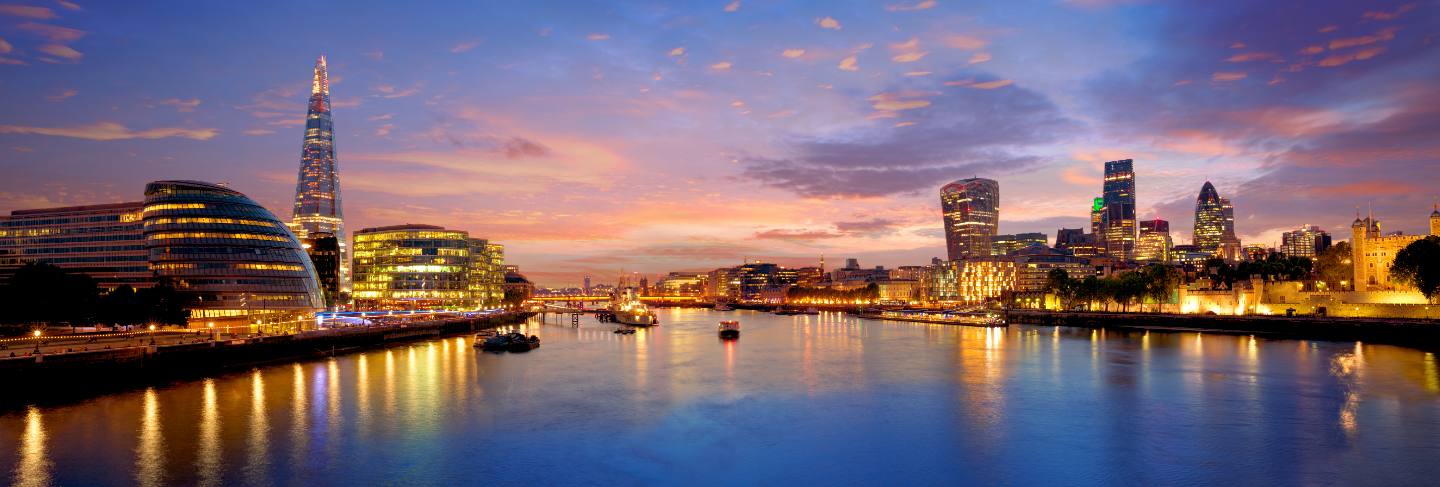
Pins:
x: 656, y: 136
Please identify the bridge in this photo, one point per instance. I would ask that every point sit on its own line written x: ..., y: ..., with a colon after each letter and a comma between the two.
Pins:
x: 597, y: 299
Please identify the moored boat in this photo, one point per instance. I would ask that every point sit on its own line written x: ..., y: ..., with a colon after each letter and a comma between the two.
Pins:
x: 729, y: 329
x: 626, y: 308
x: 985, y: 318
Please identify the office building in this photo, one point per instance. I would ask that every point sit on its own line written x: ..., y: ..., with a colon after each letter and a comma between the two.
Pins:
x: 1209, y: 219
x: 1118, y: 217
x: 1009, y: 243
x: 317, y: 189
x: 971, y: 210
x: 324, y: 252
x: 1306, y: 241
x: 231, y: 258
x: 105, y: 242
x: 425, y: 267
x: 1154, y: 242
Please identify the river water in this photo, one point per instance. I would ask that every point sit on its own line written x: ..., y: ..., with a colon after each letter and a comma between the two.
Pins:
x: 829, y: 399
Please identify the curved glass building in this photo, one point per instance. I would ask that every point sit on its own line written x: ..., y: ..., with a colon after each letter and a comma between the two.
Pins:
x: 971, y: 210
x: 231, y: 256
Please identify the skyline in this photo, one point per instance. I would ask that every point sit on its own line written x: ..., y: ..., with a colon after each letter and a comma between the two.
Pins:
x: 557, y: 131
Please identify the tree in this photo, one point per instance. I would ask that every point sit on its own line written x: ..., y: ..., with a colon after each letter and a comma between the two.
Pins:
x: 121, y: 306
x: 43, y: 293
x: 163, y: 305
x: 1334, y: 268
x: 1160, y: 281
x: 514, y: 297
x: 1065, y: 289
x: 1418, y: 264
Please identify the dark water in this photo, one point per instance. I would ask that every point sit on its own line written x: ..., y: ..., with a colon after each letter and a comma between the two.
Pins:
x: 815, y: 400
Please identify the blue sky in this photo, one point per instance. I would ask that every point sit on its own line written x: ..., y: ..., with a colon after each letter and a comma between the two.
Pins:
x: 656, y: 136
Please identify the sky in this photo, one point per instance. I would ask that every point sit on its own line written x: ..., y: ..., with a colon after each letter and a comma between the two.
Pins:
x: 591, y: 137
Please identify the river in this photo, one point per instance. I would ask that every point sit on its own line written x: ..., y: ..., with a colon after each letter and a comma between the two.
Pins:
x: 829, y: 399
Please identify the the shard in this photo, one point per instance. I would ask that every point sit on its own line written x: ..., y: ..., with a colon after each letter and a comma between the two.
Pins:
x: 317, y: 191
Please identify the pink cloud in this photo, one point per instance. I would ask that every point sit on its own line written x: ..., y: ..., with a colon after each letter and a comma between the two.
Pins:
x: 964, y: 42
x: 902, y: 7
x: 828, y: 23
x: 1251, y: 56
x: 54, y: 33
x: 105, y: 131
x: 27, y: 11
x: 733, y: 6
x: 849, y: 64
x: 990, y: 85
x: 1382, y: 35
x: 1346, y: 58
x: 1223, y: 76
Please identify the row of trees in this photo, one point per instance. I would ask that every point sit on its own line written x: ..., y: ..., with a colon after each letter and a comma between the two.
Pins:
x: 42, y: 294
x: 1153, y: 284
x: 1276, y: 267
x: 822, y: 295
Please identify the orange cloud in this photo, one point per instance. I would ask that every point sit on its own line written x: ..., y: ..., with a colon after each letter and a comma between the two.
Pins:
x: 1197, y: 142
x: 1228, y: 76
x: 721, y: 66
x: 390, y: 91
x: 182, y: 105
x: 1385, y: 34
x: 990, y: 85
x: 1328, y: 29
x: 106, y: 131
x: 1345, y: 58
x: 465, y: 46
x: 598, y: 37
x: 917, y: 73
x: 964, y: 42
x: 27, y: 11
x: 54, y: 33
x: 679, y: 51
x: 1312, y: 50
x: 733, y: 6
x: 849, y: 64
x: 828, y: 23
x: 793, y: 53
x: 889, y: 102
x: 1251, y: 56
x: 1383, y: 15
x: 1075, y: 176
x: 909, y: 57
x: 901, y: 7
x: 62, y: 95
x: 5, y: 47
x: 979, y: 57
x: 68, y: 5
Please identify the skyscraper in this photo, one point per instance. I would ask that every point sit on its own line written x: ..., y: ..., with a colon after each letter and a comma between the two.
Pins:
x: 1119, y: 217
x: 1306, y: 241
x: 317, y: 191
x: 972, y: 214
x: 1210, y: 219
x: 1154, y: 242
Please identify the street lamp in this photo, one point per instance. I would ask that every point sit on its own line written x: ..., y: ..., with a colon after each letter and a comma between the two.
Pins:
x: 152, y: 334
x: 36, y: 334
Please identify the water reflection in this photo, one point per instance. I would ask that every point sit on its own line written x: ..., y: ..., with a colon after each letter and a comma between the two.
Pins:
x: 34, y: 466
x: 856, y: 399
x: 150, y: 452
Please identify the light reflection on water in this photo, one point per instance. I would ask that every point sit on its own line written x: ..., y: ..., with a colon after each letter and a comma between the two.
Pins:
x: 903, y: 402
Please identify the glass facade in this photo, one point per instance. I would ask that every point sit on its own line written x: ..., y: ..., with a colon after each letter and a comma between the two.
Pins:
x: 102, y: 241
x: 425, y: 267
x: 317, y: 191
x: 972, y: 215
x: 1154, y: 243
x: 231, y: 256
x: 1209, y: 219
x: 1118, y: 218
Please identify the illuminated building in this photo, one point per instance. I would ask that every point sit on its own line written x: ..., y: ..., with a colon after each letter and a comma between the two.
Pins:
x: 1306, y: 241
x: 971, y: 281
x: 972, y: 215
x: 896, y: 291
x: 1229, y: 243
x: 683, y: 284
x: 1372, y: 252
x: 809, y: 276
x: 1033, y: 265
x: 1118, y: 219
x: 324, y: 252
x: 1190, y: 256
x: 317, y: 190
x: 1008, y: 244
x: 233, y: 258
x: 1097, y: 217
x: 425, y: 267
x: 1209, y: 219
x: 1154, y: 242
x: 907, y: 272
x: 104, y: 242
x: 1255, y: 253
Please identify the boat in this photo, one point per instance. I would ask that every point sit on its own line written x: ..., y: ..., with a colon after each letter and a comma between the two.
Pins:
x: 523, y: 344
x: 624, y: 331
x: 723, y: 307
x: 626, y: 308
x: 729, y: 330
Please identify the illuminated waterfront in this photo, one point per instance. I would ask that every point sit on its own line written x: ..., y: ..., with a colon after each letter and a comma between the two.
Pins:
x: 826, y: 398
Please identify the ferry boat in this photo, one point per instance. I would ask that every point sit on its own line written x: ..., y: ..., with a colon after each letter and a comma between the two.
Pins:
x: 729, y: 329
x: 627, y: 309
x: 985, y: 318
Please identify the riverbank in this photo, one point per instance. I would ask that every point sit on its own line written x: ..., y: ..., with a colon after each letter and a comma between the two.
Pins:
x: 1423, y: 334
x: 59, y: 376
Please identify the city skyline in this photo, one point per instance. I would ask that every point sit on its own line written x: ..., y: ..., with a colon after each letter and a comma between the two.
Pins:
x: 706, y: 135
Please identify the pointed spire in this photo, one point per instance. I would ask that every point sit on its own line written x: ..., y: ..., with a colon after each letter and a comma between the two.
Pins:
x: 321, y: 83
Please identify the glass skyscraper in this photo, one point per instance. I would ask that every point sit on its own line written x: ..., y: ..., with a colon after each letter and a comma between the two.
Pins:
x: 1210, y: 219
x: 1118, y: 219
x: 317, y: 191
x: 972, y: 215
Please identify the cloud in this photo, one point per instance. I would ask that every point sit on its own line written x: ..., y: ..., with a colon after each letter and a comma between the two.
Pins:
x: 917, y: 73
x: 849, y: 64
x: 676, y: 52
x: 1383, y: 15
x: 901, y: 7
x: 979, y: 57
x: 1346, y: 58
x: 62, y: 95
x: 68, y: 5
x: 801, y: 235
x: 598, y: 37
x: 1385, y: 34
x: 383, y: 116
x: 733, y: 6
x: 465, y: 46
x: 793, y: 53
x: 959, y: 134
x: 828, y: 23
x: 182, y: 105
x: 1228, y: 76
x: 54, y: 33
x: 1251, y: 56
x: 27, y: 11
x: 390, y: 91
x: 721, y: 66
x: 384, y: 130
x: 5, y: 47
x: 990, y: 85
x: 258, y: 132
x: 111, y: 131
x: 873, y: 227
x: 908, y: 57
x: 964, y: 42
x: 63, y: 52
x: 377, y: 55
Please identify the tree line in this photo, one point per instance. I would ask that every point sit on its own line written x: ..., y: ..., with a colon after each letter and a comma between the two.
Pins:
x: 40, y: 294
x: 807, y: 295
x: 1153, y: 284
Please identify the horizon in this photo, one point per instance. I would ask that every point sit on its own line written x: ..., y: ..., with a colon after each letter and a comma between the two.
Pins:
x: 801, y: 129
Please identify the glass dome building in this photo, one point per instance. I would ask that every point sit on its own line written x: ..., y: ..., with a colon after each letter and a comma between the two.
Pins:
x: 231, y: 256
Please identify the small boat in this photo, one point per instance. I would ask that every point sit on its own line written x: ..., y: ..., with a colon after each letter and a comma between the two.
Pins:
x: 723, y: 307
x: 624, y: 331
x: 729, y: 330
x: 810, y: 311
x: 523, y: 344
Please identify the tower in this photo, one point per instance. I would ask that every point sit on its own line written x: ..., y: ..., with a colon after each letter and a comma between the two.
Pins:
x: 317, y: 189
x: 971, y: 210
x: 1209, y: 219
x: 1435, y: 220
x: 1118, y: 219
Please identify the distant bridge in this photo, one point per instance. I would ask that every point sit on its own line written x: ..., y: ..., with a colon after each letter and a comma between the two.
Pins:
x: 595, y: 299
